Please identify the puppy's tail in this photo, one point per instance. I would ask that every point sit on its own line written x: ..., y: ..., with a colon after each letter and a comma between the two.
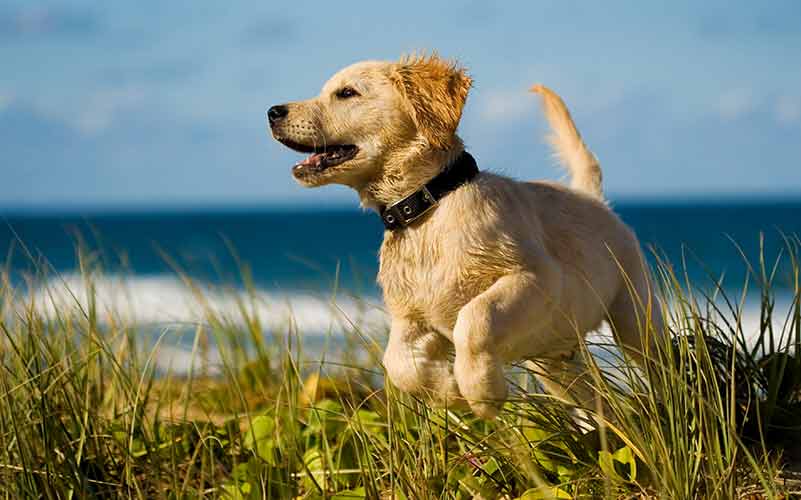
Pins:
x: 573, y: 154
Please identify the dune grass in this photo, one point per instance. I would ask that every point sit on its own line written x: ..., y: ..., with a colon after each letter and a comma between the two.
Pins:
x: 85, y: 412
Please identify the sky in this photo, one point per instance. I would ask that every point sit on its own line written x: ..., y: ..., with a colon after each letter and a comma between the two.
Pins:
x: 161, y: 104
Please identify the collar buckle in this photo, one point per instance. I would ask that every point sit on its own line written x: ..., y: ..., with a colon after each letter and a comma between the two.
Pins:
x: 411, y: 208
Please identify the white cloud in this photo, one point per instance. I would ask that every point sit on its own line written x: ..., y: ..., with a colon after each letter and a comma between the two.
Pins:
x: 738, y: 102
x: 104, y: 107
x: 788, y: 109
x: 734, y: 103
x: 505, y: 105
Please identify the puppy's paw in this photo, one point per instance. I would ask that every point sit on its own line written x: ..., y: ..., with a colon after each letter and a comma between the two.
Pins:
x: 481, y: 383
x: 486, y: 410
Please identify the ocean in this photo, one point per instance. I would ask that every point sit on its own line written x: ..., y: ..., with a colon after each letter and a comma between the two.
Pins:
x: 320, y: 265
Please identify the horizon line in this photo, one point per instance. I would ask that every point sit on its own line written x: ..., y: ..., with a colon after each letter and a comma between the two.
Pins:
x: 75, y: 209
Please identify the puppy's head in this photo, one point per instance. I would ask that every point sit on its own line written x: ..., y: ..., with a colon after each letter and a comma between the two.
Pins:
x: 369, y: 113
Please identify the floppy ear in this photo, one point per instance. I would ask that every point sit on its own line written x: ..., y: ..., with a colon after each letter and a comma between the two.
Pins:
x: 434, y: 91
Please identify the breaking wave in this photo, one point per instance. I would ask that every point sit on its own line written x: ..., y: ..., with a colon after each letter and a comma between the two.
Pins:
x: 165, y: 302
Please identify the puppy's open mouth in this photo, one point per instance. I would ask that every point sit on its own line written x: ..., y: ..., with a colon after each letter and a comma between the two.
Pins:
x: 321, y: 157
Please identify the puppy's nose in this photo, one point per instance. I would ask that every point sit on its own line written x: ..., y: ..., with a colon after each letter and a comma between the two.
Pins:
x: 276, y: 113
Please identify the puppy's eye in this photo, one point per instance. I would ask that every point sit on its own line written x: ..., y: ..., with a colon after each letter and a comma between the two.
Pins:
x: 346, y: 93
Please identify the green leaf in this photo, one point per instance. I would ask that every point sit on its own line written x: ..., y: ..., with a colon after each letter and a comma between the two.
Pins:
x: 535, y: 434
x: 260, y: 438
x: 138, y: 448
x: 313, y: 464
x: 239, y: 488
x: 326, y: 415
x: 551, y: 455
x: 614, y: 464
x: 491, y: 466
x: 313, y: 459
x: 368, y: 421
x: 544, y: 492
x: 566, y: 473
x: 606, y: 462
x: 234, y: 492
x: 626, y: 456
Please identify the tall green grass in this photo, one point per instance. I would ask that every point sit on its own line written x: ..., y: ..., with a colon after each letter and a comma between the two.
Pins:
x: 84, y: 411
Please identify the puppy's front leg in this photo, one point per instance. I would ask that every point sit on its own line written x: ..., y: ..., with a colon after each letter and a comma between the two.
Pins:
x: 416, y: 361
x: 489, y: 329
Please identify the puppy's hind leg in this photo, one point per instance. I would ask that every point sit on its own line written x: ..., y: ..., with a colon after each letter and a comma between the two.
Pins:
x: 635, y: 315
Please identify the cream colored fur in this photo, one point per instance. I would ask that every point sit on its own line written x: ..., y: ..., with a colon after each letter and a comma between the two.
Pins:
x: 585, y: 171
x: 501, y: 270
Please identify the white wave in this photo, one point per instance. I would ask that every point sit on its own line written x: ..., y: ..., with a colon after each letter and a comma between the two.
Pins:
x: 166, y: 301
x: 746, y: 319
x: 154, y: 300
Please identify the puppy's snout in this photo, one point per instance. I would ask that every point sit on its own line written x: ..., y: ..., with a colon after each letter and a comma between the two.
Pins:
x: 277, y: 113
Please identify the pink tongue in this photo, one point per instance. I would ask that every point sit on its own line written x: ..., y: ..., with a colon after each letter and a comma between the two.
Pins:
x: 313, y: 160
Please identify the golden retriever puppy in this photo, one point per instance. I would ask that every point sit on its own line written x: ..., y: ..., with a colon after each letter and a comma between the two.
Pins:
x: 487, y: 267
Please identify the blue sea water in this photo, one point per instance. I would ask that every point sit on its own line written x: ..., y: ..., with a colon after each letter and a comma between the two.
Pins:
x: 314, y: 250
x: 297, y: 258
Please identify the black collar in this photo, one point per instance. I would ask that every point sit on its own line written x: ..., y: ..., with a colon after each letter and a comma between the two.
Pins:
x: 404, y: 212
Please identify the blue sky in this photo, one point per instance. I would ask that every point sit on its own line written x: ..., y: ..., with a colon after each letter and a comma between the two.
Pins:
x: 148, y: 104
